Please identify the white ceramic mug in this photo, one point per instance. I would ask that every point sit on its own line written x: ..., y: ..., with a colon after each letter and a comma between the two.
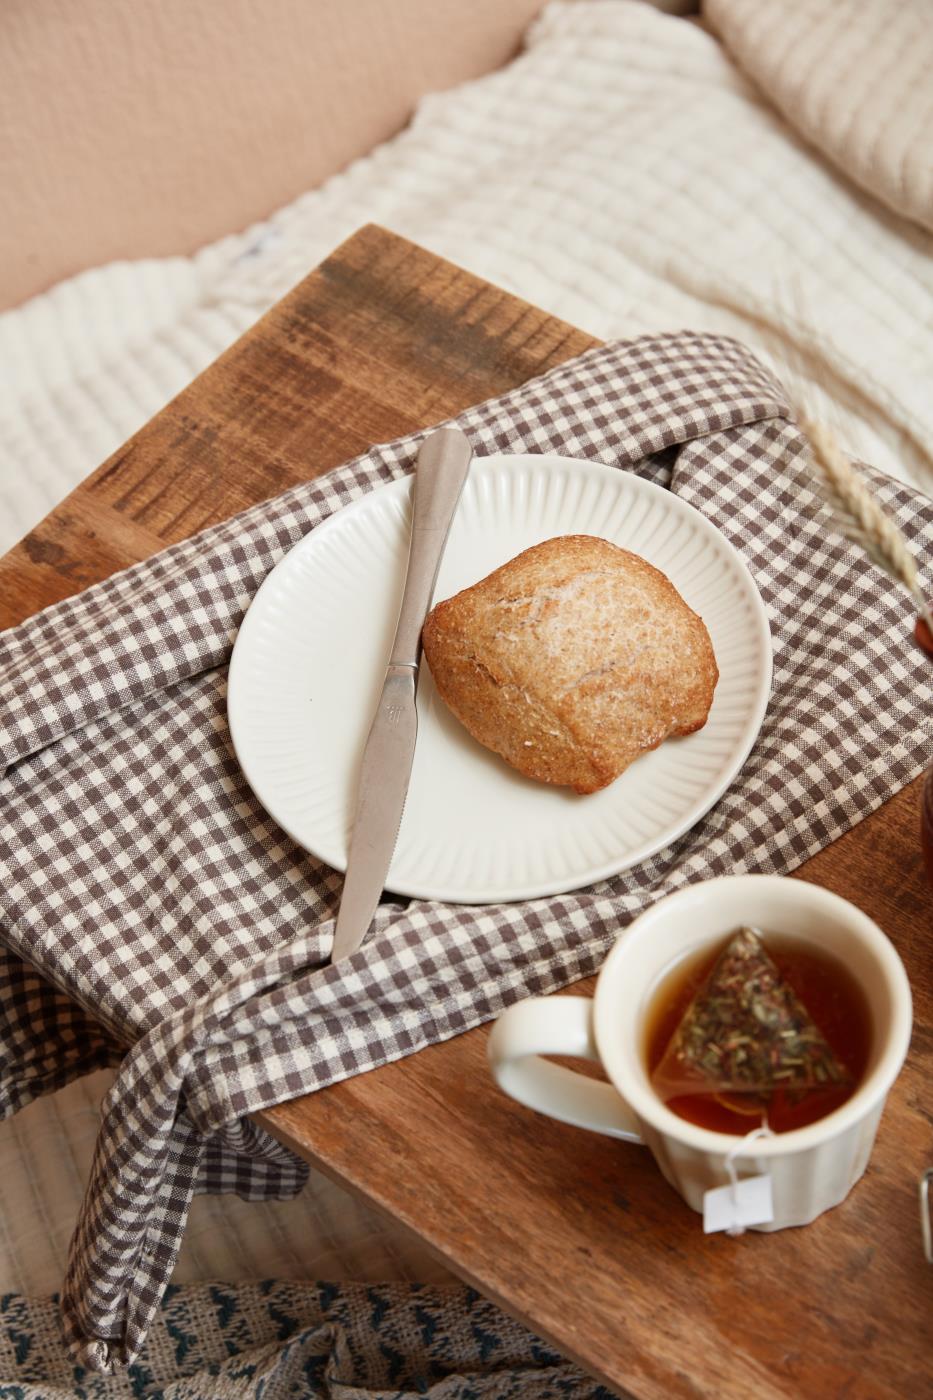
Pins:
x: 811, y: 1168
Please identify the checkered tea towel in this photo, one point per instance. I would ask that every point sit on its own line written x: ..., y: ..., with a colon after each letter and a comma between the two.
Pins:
x: 163, y: 910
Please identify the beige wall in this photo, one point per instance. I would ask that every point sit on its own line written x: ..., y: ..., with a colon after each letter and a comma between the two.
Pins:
x: 145, y: 127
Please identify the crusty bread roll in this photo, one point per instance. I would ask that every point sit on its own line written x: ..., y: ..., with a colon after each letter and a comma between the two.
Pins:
x: 571, y: 660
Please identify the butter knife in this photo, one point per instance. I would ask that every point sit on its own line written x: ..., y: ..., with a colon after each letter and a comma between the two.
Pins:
x: 440, y: 471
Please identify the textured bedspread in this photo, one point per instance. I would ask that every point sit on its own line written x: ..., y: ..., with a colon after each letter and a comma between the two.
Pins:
x: 622, y: 173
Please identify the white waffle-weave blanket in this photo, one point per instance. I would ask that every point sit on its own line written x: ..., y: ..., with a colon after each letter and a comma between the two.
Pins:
x: 621, y: 173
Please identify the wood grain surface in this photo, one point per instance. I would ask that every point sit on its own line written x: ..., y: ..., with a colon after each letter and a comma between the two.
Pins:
x: 382, y: 339
x: 577, y: 1235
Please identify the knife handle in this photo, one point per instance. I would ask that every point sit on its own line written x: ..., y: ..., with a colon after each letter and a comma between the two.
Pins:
x: 442, y: 466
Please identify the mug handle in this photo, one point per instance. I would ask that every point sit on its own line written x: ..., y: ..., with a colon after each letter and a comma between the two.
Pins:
x: 556, y: 1026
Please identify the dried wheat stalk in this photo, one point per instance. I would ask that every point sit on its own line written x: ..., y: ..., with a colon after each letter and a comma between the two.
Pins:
x: 859, y: 515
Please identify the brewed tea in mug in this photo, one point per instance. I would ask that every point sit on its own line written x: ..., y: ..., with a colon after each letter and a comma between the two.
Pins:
x: 830, y: 998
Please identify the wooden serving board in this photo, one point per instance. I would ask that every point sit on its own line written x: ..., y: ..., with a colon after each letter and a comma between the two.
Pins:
x: 577, y: 1235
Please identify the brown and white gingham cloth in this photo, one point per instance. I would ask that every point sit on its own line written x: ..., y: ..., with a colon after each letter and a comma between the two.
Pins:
x: 149, y: 902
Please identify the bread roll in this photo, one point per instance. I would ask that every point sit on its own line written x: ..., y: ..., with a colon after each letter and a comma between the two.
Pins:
x: 571, y: 660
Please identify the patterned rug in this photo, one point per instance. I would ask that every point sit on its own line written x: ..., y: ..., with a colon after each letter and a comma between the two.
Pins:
x: 279, y: 1341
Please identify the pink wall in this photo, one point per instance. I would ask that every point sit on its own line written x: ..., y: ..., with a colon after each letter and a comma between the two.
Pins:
x: 146, y: 127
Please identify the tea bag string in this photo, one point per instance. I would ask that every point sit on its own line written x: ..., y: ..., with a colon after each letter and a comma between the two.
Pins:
x: 761, y: 1132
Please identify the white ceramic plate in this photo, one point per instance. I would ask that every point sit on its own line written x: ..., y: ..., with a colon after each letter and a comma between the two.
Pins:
x: 310, y: 658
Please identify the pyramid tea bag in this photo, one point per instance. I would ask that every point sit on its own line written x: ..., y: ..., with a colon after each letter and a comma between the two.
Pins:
x: 746, y: 1037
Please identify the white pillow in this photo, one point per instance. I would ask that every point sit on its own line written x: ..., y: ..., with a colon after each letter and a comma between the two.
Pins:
x: 854, y: 78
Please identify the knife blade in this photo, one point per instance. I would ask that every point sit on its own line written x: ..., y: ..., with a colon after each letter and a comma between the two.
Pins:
x: 441, y: 469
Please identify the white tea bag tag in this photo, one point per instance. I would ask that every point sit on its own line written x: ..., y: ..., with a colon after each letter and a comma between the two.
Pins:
x: 740, y: 1203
